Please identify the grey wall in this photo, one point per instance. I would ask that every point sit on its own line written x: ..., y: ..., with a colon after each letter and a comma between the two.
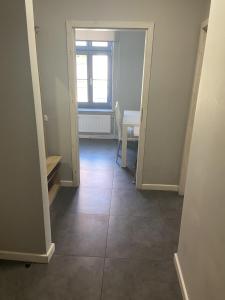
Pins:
x: 177, y: 24
x: 128, y: 68
x: 202, y: 237
x: 21, y: 206
x: 206, y: 10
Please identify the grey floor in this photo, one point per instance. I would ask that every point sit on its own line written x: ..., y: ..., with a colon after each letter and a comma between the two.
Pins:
x: 112, y: 241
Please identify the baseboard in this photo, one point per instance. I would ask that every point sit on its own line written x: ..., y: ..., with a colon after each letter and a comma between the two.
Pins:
x: 160, y: 187
x: 29, y: 257
x: 98, y: 136
x: 66, y: 183
x: 180, y: 277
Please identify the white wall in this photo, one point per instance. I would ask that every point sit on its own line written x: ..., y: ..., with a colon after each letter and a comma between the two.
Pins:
x: 24, y: 219
x: 202, y: 237
x: 175, y: 45
x: 128, y: 69
x: 95, y: 35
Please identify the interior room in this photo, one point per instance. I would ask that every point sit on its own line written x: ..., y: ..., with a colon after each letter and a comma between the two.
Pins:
x: 112, y: 122
x: 115, y: 58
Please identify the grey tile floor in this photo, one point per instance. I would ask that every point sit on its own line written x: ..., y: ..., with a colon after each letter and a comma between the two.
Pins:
x: 112, y: 241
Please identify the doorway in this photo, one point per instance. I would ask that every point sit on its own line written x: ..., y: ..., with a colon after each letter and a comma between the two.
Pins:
x: 72, y: 27
x: 188, y: 137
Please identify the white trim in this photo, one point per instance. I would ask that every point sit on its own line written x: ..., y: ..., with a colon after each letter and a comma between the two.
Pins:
x: 38, y: 117
x: 29, y: 257
x: 94, y: 35
x: 192, y: 109
x: 159, y: 187
x: 73, y: 105
x: 180, y: 277
x: 109, y: 24
x: 66, y: 183
x: 98, y: 136
x: 144, y: 102
x: 71, y: 25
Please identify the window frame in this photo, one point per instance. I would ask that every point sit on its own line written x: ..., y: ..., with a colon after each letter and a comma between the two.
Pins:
x: 90, y: 50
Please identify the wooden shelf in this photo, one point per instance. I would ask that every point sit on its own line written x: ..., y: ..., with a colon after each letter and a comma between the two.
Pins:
x: 53, y: 164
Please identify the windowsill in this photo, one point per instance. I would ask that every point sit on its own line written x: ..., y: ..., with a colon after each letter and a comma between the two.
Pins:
x: 95, y: 110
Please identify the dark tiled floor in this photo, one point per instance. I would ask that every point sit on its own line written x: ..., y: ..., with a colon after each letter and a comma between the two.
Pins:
x: 139, y: 279
x: 112, y: 241
x: 66, y: 277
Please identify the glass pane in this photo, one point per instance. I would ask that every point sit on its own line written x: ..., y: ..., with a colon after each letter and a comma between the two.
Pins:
x: 100, y: 44
x: 81, y: 43
x: 82, y: 91
x: 100, y: 91
x: 100, y: 66
x: 81, y: 66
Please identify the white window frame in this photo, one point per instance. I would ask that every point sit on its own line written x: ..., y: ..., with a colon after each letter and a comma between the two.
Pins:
x: 89, y: 51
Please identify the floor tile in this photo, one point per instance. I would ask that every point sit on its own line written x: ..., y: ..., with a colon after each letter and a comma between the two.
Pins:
x: 138, y: 237
x: 66, y: 277
x: 134, y: 203
x: 63, y: 202
x: 139, y: 279
x: 97, y: 154
x: 101, y: 145
x: 10, y: 283
x: 83, y: 200
x: 100, y: 161
x: 123, y: 179
x: 170, y: 204
x: 80, y: 234
x: 171, y: 231
x: 92, y: 200
x: 96, y: 178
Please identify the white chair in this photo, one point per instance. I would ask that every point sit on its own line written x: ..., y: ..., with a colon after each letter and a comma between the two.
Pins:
x: 130, y: 133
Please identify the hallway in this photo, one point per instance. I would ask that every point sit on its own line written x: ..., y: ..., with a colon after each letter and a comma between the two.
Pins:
x: 112, y: 241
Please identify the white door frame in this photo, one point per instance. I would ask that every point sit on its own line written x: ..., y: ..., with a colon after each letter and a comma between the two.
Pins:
x: 192, y: 109
x: 149, y: 29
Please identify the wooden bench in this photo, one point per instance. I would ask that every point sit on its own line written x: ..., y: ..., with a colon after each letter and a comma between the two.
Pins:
x: 53, y: 164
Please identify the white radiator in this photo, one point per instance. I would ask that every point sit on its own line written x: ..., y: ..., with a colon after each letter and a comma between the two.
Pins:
x: 94, y: 123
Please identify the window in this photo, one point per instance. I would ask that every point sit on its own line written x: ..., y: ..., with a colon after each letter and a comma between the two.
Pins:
x: 94, y: 74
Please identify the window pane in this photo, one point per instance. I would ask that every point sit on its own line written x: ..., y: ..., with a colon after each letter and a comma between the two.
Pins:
x: 81, y: 66
x: 82, y: 91
x: 99, y: 44
x: 81, y: 43
x: 100, y: 66
x: 100, y: 91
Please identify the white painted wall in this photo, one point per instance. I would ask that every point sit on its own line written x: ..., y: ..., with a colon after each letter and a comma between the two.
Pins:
x: 24, y: 217
x: 202, y: 237
x: 175, y: 46
x: 95, y: 35
x: 128, y: 69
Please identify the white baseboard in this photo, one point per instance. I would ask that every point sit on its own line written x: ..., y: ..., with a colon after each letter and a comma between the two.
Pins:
x: 159, y: 187
x: 98, y: 136
x: 180, y: 277
x: 29, y: 257
x: 66, y: 183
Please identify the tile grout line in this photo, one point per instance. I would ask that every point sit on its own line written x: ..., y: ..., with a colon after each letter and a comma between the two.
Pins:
x: 103, y: 273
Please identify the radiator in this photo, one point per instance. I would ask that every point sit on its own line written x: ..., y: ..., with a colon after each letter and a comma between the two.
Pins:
x: 94, y: 123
